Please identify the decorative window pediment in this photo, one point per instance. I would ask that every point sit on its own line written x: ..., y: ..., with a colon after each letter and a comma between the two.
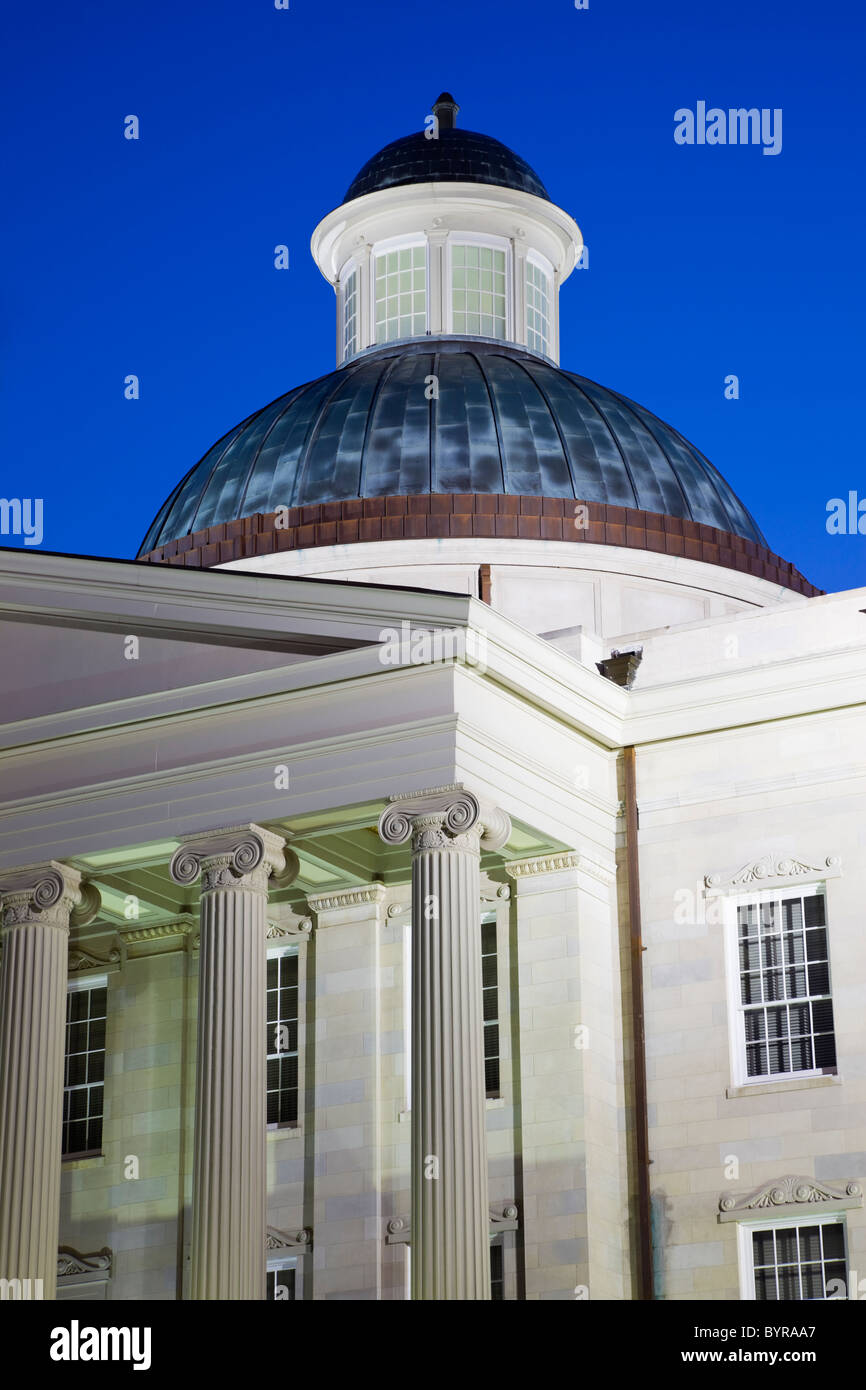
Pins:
x: 504, y: 1216
x: 791, y: 1196
x: 772, y: 871
x: 83, y: 1278
x: 288, y: 1242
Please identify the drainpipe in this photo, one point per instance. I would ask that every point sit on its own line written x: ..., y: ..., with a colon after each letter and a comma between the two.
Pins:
x: 645, y: 1252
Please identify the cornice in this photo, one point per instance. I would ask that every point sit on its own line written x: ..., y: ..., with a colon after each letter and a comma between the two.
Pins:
x: 789, y: 1196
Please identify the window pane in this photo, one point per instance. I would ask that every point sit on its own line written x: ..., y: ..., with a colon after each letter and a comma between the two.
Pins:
x: 537, y: 308
x: 774, y: 968
x: 350, y: 347
x: 478, y: 300
x: 84, y: 1070
x: 401, y: 294
x: 806, y: 1260
x: 765, y: 1286
x: 281, y: 1040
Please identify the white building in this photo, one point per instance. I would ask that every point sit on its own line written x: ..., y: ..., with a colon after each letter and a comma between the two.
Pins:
x: 485, y: 925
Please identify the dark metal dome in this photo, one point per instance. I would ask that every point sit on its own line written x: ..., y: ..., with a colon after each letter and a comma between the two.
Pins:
x: 505, y: 421
x: 454, y: 156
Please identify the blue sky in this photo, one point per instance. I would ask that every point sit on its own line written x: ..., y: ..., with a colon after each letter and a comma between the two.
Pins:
x: 155, y: 256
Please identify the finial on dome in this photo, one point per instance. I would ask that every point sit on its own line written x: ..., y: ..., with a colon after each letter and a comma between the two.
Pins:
x: 445, y: 110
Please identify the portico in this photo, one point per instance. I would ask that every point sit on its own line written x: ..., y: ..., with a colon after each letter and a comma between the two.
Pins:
x: 216, y: 860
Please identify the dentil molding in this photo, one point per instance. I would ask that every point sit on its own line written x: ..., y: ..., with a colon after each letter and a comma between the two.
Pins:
x: 557, y: 863
x: 369, y: 893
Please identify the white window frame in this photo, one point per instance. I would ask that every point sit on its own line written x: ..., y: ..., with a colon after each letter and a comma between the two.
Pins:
x: 352, y: 267
x: 543, y: 264
x: 76, y: 986
x: 290, y: 1126
x: 490, y: 917
x: 491, y: 243
x: 282, y: 1263
x: 736, y: 1009
x: 381, y: 248
x: 745, y: 1257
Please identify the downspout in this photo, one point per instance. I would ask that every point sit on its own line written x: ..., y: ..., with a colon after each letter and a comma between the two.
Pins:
x: 644, y: 1233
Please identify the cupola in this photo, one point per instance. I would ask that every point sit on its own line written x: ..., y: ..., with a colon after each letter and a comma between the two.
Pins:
x: 446, y: 231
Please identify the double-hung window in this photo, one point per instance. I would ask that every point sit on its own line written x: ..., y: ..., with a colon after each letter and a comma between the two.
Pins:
x: 794, y: 1260
x: 783, y: 998
x: 282, y: 1037
x: 497, y: 1270
x: 478, y: 290
x: 537, y: 308
x: 490, y: 990
x: 84, y: 1067
x: 400, y: 293
x: 282, y: 1281
x: 350, y: 314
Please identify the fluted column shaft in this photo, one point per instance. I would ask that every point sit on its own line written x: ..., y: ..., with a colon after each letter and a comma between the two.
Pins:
x: 450, y: 1211
x: 37, y: 905
x: 229, y: 1163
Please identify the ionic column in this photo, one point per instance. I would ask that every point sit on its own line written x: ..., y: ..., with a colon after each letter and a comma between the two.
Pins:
x: 450, y: 1242
x: 229, y: 1174
x: 39, y: 904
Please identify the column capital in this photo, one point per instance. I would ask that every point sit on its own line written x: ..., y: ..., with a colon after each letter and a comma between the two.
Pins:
x: 241, y: 857
x: 449, y: 817
x: 51, y: 894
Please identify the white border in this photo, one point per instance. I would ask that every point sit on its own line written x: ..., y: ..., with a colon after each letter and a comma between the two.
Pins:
x: 745, y: 1230
x: 736, y: 1010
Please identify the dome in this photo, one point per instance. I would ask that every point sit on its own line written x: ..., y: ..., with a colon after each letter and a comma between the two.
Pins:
x: 454, y: 156
x: 504, y: 421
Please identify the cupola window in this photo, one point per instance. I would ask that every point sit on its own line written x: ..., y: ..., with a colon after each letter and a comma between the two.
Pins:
x: 350, y: 315
x: 537, y: 309
x: 478, y: 288
x: 401, y: 293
